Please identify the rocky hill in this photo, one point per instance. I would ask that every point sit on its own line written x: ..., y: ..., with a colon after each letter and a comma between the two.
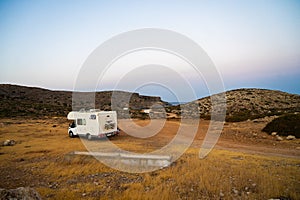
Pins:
x: 37, y: 102
x: 243, y: 104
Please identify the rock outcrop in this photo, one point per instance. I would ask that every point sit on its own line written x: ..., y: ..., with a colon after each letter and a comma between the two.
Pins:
x: 24, y: 193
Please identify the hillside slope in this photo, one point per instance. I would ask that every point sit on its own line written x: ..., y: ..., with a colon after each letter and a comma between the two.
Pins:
x: 243, y: 104
x: 31, y: 101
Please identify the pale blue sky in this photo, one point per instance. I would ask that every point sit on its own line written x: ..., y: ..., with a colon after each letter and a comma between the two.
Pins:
x: 252, y: 43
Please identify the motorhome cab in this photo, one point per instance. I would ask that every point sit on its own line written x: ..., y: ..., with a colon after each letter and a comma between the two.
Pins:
x: 93, y: 123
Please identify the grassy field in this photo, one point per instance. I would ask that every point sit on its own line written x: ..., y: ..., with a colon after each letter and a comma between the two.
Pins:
x: 39, y: 160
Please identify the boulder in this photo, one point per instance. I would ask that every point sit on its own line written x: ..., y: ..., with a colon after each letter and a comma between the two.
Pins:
x: 278, y: 138
x: 257, y: 120
x: 274, y: 133
x: 9, y: 143
x: 290, y: 137
x: 25, y: 193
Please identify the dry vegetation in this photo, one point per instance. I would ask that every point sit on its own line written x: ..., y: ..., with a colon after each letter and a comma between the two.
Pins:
x: 285, y: 125
x: 259, y: 168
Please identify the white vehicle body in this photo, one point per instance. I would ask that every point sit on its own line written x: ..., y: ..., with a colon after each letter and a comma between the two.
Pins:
x: 93, y: 123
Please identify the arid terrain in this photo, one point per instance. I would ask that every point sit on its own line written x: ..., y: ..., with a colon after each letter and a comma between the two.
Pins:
x: 245, y: 164
x: 242, y: 104
x: 18, y: 100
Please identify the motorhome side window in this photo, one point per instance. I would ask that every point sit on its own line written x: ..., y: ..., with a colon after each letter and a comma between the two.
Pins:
x: 81, y: 122
x: 93, y: 117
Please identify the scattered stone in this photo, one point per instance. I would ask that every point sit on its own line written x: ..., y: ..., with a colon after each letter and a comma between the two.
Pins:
x: 222, y: 194
x: 261, y: 120
x: 274, y: 133
x: 96, y: 183
x: 83, y: 194
x: 53, y: 185
x: 147, y: 189
x: 290, y: 137
x: 235, y: 191
x: 19, y: 193
x: 278, y: 138
x: 264, y: 137
x: 298, y: 148
x: 280, y: 198
x: 237, y: 158
x: 9, y: 143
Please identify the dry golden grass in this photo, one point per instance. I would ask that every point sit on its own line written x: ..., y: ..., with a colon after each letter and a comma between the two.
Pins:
x: 39, y: 160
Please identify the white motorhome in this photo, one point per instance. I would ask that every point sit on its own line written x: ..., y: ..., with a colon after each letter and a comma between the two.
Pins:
x: 93, y: 123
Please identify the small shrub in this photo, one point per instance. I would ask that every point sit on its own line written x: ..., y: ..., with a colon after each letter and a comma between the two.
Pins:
x: 242, y: 115
x: 285, y: 125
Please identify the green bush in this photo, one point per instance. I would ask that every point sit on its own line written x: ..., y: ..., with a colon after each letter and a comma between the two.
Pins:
x: 285, y: 125
x: 242, y: 115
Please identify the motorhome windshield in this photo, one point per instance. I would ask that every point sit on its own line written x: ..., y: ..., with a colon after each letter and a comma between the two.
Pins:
x: 73, y: 125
